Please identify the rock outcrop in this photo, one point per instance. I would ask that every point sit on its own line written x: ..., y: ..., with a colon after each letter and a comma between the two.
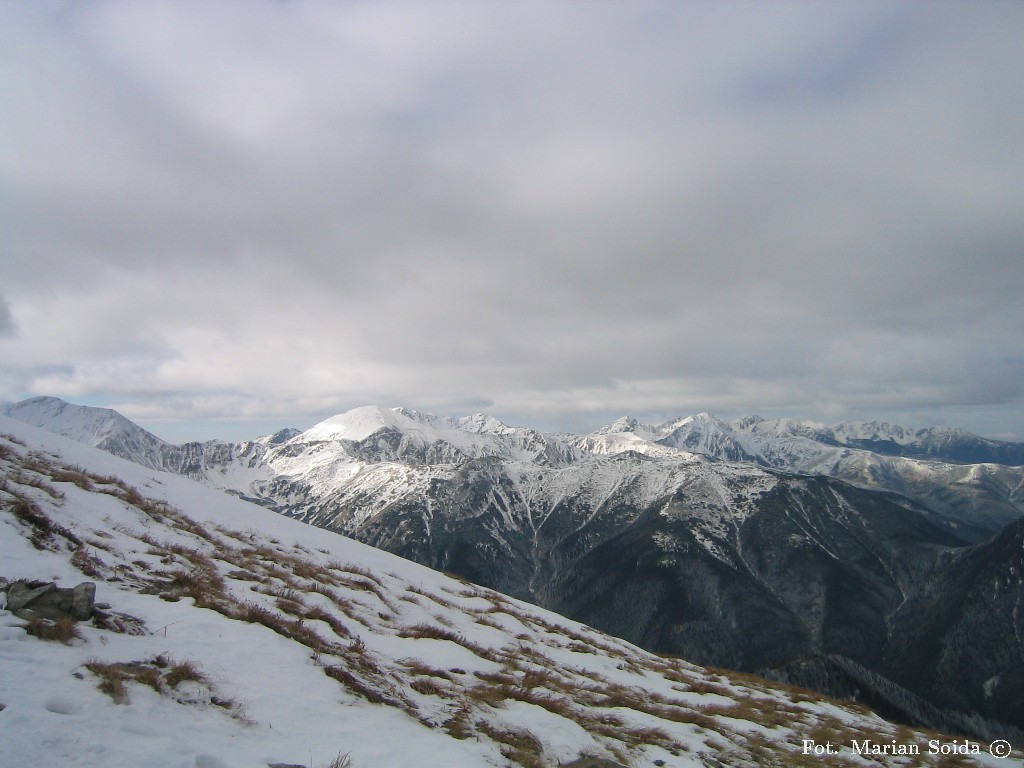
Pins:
x: 45, y: 600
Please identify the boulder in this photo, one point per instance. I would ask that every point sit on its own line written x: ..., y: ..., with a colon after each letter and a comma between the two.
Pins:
x: 45, y: 600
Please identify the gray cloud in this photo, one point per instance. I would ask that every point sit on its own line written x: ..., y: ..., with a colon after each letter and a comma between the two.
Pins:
x: 559, y: 211
x: 7, y: 327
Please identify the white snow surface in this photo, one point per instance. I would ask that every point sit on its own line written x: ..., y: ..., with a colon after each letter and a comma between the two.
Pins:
x: 434, y: 648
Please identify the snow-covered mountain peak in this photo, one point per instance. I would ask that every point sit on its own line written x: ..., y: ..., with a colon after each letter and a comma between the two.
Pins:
x: 701, y: 422
x: 746, y: 423
x: 626, y: 424
x: 705, y: 417
x: 483, y: 423
x: 873, y: 430
x: 84, y: 424
x: 621, y: 424
x: 358, y: 424
x: 708, y: 435
x: 782, y: 428
x: 278, y: 438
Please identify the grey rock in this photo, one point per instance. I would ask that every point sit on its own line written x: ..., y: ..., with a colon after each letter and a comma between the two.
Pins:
x: 83, y: 599
x: 22, y: 594
x: 48, y: 601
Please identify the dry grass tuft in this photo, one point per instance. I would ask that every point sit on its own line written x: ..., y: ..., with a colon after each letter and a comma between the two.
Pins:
x: 112, y: 680
x: 163, y: 675
x: 63, y: 630
x: 30, y: 474
x: 433, y: 597
x: 115, y: 676
x: 74, y: 475
x: 420, y: 668
x: 181, y: 672
x: 204, y: 585
x: 457, y: 726
x: 430, y: 687
x: 358, y: 686
x: 318, y: 613
x: 519, y: 745
x: 44, y: 530
x: 87, y: 563
x: 432, y: 632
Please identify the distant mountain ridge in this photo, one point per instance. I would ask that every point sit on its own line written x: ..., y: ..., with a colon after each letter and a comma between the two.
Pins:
x: 750, y: 438
x: 925, y: 465
x: 753, y: 438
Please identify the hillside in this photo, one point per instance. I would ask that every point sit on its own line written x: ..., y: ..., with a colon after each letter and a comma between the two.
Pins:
x: 267, y: 642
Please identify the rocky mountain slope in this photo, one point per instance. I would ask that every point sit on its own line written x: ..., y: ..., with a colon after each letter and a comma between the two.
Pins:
x: 273, y: 643
x: 976, y: 481
x: 729, y: 544
x: 958, y: 637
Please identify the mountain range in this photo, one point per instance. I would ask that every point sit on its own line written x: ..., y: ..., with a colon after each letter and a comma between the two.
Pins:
x: 223, y: 634
x: 864, y: 559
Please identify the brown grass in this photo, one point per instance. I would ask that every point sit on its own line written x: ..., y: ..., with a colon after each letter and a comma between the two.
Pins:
x: 35, y: 481
x: 87, y: 563
x: 295, y: 630
x: 430, y: 687
x: 115, y: 676
x: 357, y: 686
x: 112, y: 680
x: 204, y: 585
x: 433, y: 632
x: 44, y: 530
x: 318, y: 613
x: 64, y: 630
x: 442, y: 601
x: 120, y: 623
x: 519, y: 745
x: 162, y: 674
x: 457, y: 726
x: 420, y: 668
x: 71, y: 475
x: 181, y: 672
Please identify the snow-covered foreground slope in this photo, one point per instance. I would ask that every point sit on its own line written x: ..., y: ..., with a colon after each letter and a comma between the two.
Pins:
x: 237, y: 637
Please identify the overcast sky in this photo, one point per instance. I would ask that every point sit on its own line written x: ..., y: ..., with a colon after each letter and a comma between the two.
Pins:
x: 225, y: 217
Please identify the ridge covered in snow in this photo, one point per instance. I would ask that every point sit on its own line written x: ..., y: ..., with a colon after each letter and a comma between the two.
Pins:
x: 267, y: 642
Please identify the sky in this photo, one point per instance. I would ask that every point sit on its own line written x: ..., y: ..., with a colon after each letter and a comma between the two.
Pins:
x: 223, y: 217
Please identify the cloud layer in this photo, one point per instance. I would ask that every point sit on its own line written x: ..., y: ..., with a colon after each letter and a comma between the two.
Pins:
x: 554, y: 212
